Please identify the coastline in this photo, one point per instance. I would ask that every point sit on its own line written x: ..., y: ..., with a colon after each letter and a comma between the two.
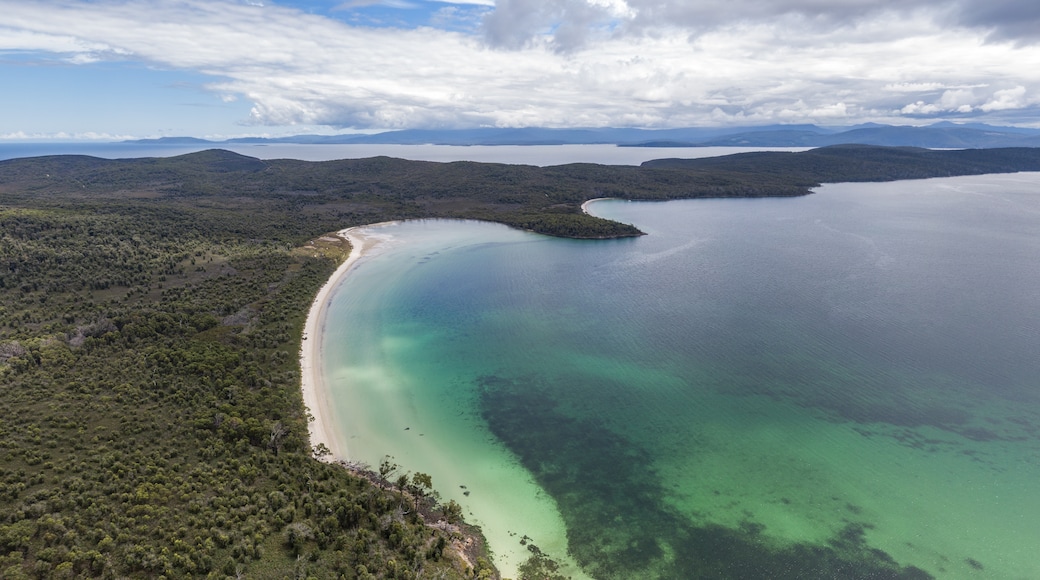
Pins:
x: 585, y: 205
x: 322, y: 427
x: 536, y: 515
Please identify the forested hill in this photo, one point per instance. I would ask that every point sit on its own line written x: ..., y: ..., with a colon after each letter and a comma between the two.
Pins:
x: 847, y: 163
x: 542, y: 199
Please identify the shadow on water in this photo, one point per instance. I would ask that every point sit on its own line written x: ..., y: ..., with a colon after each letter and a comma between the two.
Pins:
x: 618, y: 522
x: 876, y: 397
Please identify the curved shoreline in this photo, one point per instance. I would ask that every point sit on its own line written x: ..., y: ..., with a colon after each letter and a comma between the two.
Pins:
x: 330, y: 426
x: 322, y: 426
x: 585, y: 205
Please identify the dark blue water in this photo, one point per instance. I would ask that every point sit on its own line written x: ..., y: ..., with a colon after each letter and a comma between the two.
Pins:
x: 844, y: 385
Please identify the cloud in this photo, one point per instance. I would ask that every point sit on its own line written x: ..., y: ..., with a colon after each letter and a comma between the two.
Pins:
x: 929, y: 87
x: 1003, y: 100
x: 567, y: 23
x: 912, y: 87
x: 920, y: 108
x: 562, y: 24
x: 17, y: 39
x: 351, y: 4
x: 63, y: 136
x: 960, y: 100
x: 649, y: 63
x: 1014, y: 20
x: 468, y: 2
x: 455, y: 18
x: 969, y: 100
x: 835, y: 111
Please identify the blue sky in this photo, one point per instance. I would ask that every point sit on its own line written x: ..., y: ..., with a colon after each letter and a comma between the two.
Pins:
x: 113, y: 69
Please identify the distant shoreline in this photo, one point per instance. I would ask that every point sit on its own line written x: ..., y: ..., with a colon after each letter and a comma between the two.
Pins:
x: 322, y: 426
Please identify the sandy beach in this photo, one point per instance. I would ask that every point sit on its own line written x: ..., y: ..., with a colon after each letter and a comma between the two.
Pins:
x: 323, y: 427
x: 585, y: 206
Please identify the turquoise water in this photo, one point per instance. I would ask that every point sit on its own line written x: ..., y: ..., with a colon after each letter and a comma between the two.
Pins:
x: 843, y: 385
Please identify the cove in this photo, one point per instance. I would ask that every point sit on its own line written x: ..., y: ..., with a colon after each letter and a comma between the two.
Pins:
x: 838, y: 385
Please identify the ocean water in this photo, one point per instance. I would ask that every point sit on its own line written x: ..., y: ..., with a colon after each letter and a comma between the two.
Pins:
x: 541, y: 155
x: 842, y: 385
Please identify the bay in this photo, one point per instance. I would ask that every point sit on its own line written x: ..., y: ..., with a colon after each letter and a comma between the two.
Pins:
x: 839, y: 385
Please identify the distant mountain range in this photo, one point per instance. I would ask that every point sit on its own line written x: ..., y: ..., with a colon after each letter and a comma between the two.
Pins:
x: 938, y: 136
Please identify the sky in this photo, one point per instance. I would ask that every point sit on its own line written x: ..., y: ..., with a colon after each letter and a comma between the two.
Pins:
x: 115, y: 69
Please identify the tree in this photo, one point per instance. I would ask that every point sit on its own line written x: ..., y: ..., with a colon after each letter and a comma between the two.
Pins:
x: 422, y: 484
x: 278, y: 433
x: 387, y: 467
x: 321, y: 451
x: 402, y: 482
x: 453, y: 512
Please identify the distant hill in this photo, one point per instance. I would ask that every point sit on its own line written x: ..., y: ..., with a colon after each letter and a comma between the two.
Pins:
x: 543, y: 199
x: 857, y: 163
x: 851, y: 163
x: 933, y: 137
x: 943, y: 135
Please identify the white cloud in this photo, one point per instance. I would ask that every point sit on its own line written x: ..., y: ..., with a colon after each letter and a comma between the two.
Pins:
x: 362, y: 3
x: 63, y: 136
x: 620, y: 63
x: 1015, y: 20
x: 19, y: 39
x: 920, y: 108
x: 930, y: 87
x: 968, y: 100
x: 960, y: 100
x: 616, y: 8
x: 835, y: 111
x: 1014, y: 98
x: 468, y: 2
x: 918, y: 87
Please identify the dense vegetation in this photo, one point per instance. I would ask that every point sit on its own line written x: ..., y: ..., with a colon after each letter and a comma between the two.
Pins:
x: 152, y: 420
x: 150, y: 322
x: 848, y: 163
x: 324, y: 196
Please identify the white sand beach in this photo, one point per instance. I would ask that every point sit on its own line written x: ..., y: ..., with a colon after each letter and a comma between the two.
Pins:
x: 585, y: 206
x: 323, y: 427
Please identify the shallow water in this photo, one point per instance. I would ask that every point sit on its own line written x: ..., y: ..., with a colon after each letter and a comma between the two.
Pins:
x: 839, y: 385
